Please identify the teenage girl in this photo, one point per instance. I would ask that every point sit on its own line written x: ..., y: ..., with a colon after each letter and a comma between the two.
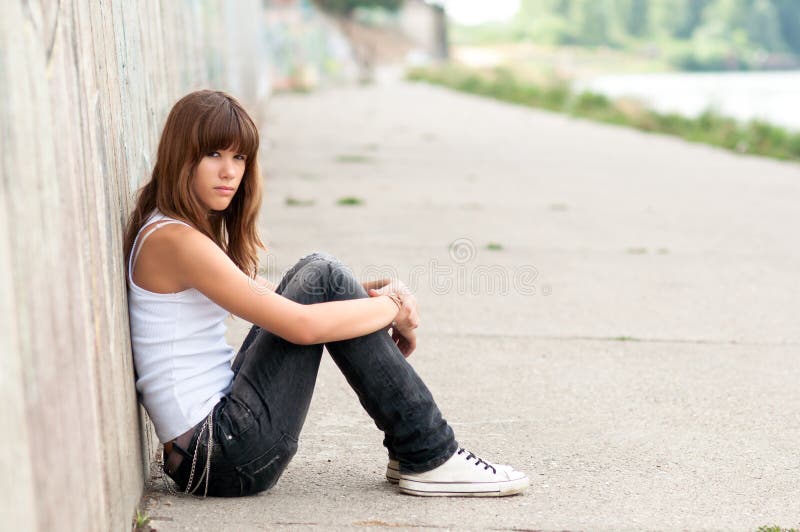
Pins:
x: 231, y: 423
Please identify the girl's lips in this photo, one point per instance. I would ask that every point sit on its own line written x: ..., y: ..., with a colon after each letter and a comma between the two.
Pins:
x: 225, y: 191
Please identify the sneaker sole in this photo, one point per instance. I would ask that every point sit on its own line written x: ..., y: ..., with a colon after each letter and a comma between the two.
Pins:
x: 463, y: 489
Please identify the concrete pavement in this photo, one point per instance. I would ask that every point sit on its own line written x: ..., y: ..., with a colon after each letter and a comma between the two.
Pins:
x: 610, y: 311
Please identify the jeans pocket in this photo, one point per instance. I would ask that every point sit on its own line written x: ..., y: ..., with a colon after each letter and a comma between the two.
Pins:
x: 264, y: 471
x: 236, y: 418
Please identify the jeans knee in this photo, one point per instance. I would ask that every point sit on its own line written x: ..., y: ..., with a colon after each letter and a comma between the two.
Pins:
x: 343, y: 281
x: 321, y: 273
x: 319, y: 256
x: 312, y: 278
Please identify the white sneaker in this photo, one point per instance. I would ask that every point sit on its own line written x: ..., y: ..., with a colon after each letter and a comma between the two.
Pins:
x: 393, y: 470
x: 463, y: 475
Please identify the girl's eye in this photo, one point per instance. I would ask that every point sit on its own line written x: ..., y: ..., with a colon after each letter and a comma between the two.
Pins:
x: 213, y: 154
x: 241, y: 156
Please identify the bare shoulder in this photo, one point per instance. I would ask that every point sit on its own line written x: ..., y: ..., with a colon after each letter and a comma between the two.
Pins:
x: 155, y: 270
x: 193, y: 260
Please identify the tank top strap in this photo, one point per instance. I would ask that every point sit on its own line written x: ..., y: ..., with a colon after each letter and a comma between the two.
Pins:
x: 136, y: 250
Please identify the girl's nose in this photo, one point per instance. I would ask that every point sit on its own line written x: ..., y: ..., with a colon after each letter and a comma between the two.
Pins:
x: 229, y: 167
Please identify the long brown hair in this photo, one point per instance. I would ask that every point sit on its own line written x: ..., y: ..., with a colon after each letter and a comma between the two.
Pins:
x: 199, y: 123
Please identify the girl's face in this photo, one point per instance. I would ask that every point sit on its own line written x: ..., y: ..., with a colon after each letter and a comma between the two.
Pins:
x: 217, y: 177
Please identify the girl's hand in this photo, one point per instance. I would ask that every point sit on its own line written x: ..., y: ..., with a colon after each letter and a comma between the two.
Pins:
x: 407, y: 318
x: 406, y: 341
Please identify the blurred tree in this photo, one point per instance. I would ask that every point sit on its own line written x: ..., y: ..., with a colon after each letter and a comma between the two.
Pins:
x: 530, y: 9
x: 727, y: 15
x: 636, y: 17
x: 347, y: 7
x: 562, y: 7
x: 543, y: 21
x: 788, y: 13
x: 763, y: 27
x: 665, y: 18
x: 590, y: 22
x: 690, y: 16
x: 692, y: 34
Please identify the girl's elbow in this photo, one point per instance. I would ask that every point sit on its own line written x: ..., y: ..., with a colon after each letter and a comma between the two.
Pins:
x: 304, y: 330
x: 305, y: 338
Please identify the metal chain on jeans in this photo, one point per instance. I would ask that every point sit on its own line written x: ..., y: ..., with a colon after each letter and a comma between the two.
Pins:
x: 208, y: 425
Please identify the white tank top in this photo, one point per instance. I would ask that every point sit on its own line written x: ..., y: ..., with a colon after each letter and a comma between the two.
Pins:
x: 182, y: 361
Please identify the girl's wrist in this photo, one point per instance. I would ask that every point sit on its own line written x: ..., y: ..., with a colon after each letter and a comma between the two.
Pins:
x: 396, y: 298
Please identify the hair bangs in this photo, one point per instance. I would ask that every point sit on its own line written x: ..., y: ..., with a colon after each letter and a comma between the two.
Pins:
x: 228, y: 127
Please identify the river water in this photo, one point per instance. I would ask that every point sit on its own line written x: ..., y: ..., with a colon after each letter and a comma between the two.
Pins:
x: 770, y: 96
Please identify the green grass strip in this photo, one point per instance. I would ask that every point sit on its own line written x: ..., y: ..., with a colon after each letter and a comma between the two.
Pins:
x: 755, y: 137
x: 349, y: 200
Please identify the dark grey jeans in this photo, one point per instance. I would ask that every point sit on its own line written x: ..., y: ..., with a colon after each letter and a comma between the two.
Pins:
x: 257, y: 425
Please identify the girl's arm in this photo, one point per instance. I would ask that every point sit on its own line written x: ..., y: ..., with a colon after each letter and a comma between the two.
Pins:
x: 199, y: 263
x: 265, y: 284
